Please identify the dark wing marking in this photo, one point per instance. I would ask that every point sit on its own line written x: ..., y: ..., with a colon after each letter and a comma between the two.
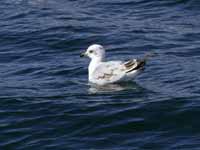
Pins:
x: 106, y: 76
x: 107, y: 73
x: 129, y: 63
x: 132, y: 65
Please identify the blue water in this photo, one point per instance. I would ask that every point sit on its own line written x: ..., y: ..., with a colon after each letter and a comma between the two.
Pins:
x: 46, y: 102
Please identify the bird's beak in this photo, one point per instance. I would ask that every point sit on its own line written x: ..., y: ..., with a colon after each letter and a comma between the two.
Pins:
x: 83, y: 54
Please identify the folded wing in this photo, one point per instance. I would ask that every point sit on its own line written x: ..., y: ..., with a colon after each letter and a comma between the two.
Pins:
x: 109, y: 72
x: 114, y: 71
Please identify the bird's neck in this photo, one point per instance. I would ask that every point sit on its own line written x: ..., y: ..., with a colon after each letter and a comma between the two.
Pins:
x: 93, y: 65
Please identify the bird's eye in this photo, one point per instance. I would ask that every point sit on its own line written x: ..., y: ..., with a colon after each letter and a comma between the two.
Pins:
x: 91, y: 51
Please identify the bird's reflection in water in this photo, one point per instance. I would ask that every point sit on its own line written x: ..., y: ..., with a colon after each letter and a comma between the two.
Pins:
x: 113, y: 87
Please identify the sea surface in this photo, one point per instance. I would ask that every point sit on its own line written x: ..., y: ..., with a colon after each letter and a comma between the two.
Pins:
x: 46, y: 102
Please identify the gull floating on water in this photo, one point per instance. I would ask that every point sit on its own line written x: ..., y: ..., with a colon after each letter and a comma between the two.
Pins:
x: 103, y: 72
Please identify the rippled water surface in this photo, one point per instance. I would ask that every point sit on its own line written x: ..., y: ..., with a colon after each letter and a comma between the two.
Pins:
x: 46, y: 101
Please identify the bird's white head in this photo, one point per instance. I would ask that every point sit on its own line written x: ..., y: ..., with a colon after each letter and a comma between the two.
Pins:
x: 95, y: 52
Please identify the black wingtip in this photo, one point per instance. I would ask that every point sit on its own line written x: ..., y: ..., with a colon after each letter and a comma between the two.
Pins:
x: 140, y: 65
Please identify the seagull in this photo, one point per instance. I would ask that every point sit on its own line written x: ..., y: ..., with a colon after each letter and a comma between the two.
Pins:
x: 101, y: 72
